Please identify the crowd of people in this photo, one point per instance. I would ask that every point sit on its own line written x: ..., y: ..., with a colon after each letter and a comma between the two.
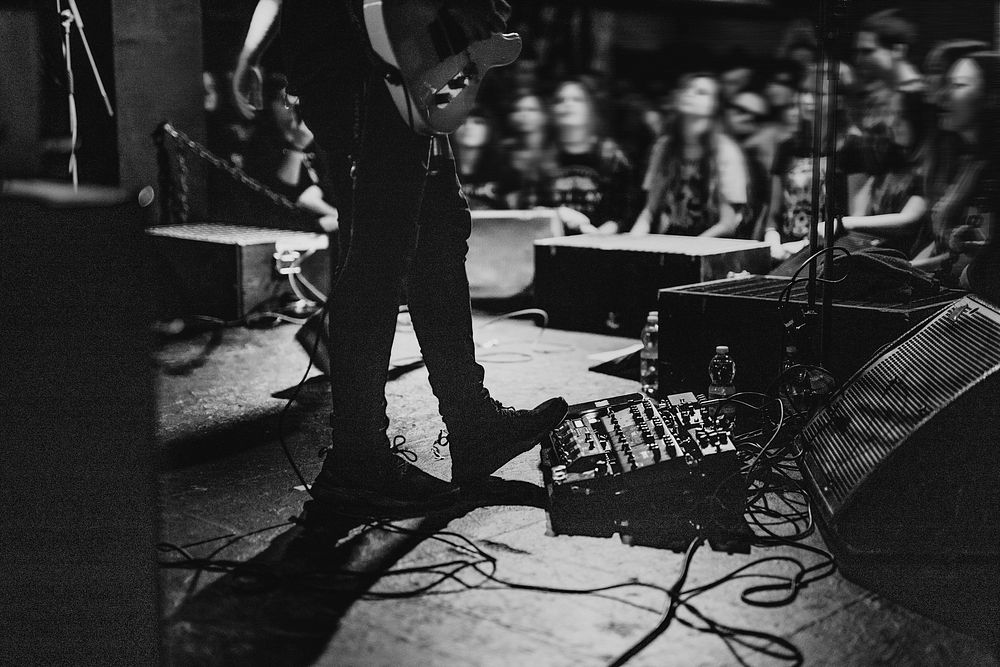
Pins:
x: 726, y: 151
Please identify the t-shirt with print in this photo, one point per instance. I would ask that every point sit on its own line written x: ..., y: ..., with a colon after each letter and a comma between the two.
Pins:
x: 795, y: 170
x: 684, y: 204
x: 486, y: 186
x: 595, y: 183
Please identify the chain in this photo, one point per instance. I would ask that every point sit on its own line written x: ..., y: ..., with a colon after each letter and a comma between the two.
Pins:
x: 234, y: 172
x: 183, y: 194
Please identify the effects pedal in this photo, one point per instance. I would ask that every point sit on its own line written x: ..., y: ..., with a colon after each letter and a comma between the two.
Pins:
x: 658, y: 474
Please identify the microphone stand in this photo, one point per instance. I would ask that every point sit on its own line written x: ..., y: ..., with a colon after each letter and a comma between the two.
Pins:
x: 832, y: 19
x: 70, y: 16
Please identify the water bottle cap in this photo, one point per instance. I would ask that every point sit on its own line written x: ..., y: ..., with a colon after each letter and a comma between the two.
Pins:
x: 653, y: 316
x: 722, y: 349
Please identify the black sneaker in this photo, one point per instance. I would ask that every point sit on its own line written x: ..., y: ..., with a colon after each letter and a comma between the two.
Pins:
x: 396, y: 489
x: 501, y: 433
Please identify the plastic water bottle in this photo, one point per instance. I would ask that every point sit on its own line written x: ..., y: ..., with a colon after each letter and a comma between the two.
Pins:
x: 721, y: 375
x: 647, y: 356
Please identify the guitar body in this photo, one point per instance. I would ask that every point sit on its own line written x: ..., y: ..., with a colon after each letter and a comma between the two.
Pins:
x: 435, y: 72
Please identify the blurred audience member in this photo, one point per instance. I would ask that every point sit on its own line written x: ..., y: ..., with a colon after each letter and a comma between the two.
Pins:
x: 735, y: 75
x: 281, y: 153
x: 638, y: 124
x: 891, y: 204
x: 477, y: 159
x: 885, y: 78
x: 882, y: 53
x: 782, y: 80
x: 747, y: 119
x: 227, y: 132
x: 940, y: 59
x: 798, y: 43
x: 587, y: 175
x: 697, y: 178
x: 790, y: 214
x: 524, y: 149
x: 962, y: 179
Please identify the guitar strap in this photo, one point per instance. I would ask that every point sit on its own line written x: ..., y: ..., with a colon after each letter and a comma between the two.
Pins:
x: 388, y: 72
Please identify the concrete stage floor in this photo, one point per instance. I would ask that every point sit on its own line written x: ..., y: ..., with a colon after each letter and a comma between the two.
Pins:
x: 291, y: 603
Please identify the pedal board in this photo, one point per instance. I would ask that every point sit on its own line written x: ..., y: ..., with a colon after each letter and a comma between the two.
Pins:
x: 658, y: 474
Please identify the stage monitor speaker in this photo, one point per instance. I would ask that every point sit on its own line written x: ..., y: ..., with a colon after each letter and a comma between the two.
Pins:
x: 903, y: 461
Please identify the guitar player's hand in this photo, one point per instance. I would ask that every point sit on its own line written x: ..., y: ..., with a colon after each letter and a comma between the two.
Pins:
x: 479, y: 18
x: 292, y: 127
x: 248, y: 89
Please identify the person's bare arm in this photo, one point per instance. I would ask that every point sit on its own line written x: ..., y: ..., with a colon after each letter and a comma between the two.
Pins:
x: 247, y: 84
x: 771, y: 234
x: 643, y: 223
x: 729, y: 222
x: 312, y: 200
x: 889, y: 223
x: 929, y: 259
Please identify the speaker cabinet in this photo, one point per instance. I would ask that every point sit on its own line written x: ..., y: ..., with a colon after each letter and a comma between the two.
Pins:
x: 77, y: 420
x: 229, y: 271
x: 608, y: 284
x: 743, y: 314
x: 903, y: 460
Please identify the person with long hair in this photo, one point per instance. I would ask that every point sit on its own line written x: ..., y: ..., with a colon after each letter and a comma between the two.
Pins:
x: 962, y: 177
x: 697, y: 177
x: 587, y: 175
x: 523, y: 149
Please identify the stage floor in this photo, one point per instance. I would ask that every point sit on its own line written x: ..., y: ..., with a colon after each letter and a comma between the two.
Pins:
x: 224, y: 475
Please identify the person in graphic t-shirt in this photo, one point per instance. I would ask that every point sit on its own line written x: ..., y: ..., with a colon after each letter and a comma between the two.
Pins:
x: 791, y: 212
x: 586, y: 176
x: 697, y: 177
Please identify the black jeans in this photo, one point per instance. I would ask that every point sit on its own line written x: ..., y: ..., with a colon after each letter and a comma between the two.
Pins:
x: 396, y: 223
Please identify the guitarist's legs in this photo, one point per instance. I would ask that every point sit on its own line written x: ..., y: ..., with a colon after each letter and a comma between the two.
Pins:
x: 438, y: 290
x: 378, y: 218
x: 484, y: 435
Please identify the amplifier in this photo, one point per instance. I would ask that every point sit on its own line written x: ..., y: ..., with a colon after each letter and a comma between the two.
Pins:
x: 227, y: 271
x: 607, y: 284
x: 658, y: 474
x: 743, y: 314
